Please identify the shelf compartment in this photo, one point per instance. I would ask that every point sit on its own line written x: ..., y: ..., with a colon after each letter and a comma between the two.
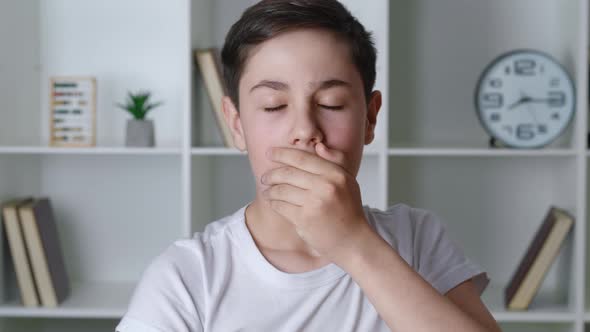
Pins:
x: 88, y: 299
x: 433, y: 85
x: 211, y: 32
x: 221, y: 184
x: 492, y: 209
x: 113, y: 218
x: 41, y: 51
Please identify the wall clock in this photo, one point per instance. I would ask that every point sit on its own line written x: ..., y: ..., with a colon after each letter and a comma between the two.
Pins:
x: 525, y: 99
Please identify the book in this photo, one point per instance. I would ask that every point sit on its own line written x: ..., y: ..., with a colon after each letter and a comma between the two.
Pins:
x: 539, y: 256
x: 209, y: 66
x: 18, y: 251
x: 44, y: 250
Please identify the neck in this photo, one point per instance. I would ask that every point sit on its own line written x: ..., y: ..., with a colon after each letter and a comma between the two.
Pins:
x: 272, y: 231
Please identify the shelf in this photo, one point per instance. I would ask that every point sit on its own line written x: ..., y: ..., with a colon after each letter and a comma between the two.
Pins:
x: 371, y: 150
x: 542, y: 316
x: 32, y: 150
x: 538, y: 327
x: 223, y: 151
x: 538, y: 312
x: 474, y: 152
x: 216, y: 151
x: 87, y: 300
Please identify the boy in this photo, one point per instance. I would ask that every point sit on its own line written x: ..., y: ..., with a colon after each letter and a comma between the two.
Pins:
x: 306, y: 255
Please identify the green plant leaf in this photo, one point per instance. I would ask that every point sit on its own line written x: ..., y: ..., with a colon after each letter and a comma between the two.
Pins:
x: 138, y: 104
x: 151, y: 106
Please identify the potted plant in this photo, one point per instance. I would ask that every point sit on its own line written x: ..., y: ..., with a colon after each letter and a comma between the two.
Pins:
x: 140, y: 131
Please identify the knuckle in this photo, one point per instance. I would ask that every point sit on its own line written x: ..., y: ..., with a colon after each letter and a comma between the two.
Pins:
x: 330, y: 189
x: 340, y: 178
x: 269, y: 177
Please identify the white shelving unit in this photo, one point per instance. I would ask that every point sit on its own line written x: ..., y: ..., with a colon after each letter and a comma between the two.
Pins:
x: 118, y: 207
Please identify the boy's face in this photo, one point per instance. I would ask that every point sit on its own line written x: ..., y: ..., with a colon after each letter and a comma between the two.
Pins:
x: 301, y: 74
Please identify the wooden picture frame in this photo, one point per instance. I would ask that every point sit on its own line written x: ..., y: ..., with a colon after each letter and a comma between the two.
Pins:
x: 72, y: 105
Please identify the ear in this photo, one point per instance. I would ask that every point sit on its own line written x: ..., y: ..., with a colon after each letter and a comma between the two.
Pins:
x: 371, y: 121
x: 234, y: 123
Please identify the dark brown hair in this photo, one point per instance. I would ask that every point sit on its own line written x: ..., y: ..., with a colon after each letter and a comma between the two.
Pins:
x: 268, y: 18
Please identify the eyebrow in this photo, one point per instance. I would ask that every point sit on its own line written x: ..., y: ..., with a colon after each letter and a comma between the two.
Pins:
x: 281, y: 86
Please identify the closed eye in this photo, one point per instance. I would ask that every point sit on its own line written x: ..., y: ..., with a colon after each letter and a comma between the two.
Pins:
x: 335, y: 108
x: 274, y: 109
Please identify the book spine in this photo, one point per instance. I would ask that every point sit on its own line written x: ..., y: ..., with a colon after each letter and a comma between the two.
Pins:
x: 529, y: 257
x: 20, y: 260
x: 538, y: 271
x: 38, y: 258
x: 47, y: 228
x: 210, y: 71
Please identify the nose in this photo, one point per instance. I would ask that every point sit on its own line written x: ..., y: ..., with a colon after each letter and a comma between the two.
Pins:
x: 305, y: 132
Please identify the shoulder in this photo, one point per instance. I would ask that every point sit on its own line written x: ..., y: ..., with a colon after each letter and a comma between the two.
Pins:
x: 400, y: 226
x: 420, y: 237
x: 401, y: 212
x: 411, y: 230
x: 404, y: 223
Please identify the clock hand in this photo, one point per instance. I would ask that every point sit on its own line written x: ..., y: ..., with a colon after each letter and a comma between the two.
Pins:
x: 518, y: 102
x: 532, y: 115
x: 541, y: 100
x: 522, y: 100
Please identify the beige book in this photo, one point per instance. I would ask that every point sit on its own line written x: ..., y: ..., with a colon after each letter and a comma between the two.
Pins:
x: 561, y: 224
x: 208, y: 63
x: 18, y: 251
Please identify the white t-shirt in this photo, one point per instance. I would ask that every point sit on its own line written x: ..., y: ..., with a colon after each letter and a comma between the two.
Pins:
x: 219, y: 281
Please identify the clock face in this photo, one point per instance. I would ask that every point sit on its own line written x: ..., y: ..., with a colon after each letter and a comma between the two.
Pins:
x: 525, y: 99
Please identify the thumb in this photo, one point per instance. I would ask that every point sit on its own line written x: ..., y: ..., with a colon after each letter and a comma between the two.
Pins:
x: 332, y: 155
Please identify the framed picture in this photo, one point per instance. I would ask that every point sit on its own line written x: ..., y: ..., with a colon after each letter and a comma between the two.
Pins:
x: 73, y: 111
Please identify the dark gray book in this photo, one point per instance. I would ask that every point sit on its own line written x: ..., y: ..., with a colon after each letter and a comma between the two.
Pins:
x: 41, y: 237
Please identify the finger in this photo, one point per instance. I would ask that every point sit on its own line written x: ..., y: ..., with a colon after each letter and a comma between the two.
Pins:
x: 289, y: 175
x: 332, y: 155
x: 301, y: 159
x: 286, y: 193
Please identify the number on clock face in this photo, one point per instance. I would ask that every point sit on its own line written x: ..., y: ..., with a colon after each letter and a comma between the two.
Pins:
x: 525, y: 99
